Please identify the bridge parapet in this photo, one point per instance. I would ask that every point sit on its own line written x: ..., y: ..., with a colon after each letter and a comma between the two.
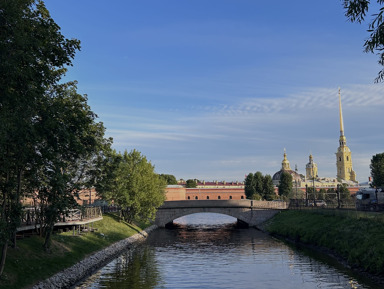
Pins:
x: 225, y: 204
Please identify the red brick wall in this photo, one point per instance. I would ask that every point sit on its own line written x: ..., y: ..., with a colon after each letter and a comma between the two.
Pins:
x: 215, y: 194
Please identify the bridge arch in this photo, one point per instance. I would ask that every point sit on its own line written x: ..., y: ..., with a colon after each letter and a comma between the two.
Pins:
x: 175, y: 214
x: 243, y: 210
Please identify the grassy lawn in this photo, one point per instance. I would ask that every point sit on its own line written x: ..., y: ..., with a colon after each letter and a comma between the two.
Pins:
x: 28, y: 263
x: 357, y: 237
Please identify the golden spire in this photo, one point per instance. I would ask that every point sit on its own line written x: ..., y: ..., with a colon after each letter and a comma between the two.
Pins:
x: 341, y: 116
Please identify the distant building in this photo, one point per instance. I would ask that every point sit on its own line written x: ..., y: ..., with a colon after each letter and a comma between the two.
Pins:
x: 345, y: 173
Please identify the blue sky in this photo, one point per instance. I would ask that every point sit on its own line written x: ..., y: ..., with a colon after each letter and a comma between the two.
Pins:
x: 216, y: 89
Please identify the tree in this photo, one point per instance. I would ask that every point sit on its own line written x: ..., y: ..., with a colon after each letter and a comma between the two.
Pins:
x: 377, y: 170
x: 321, y: 194
x: 268, y: 188
x: 33, y: 56
x: 70, y: 140
x: 285, y: 185
x: 249, y: 187
x: 344, y: 192
x: 331, y: 195
x: 191, y: 183
x: 356, y: 11
x: 259, y: 183
x: 170, y: 179
x: 136, y: 188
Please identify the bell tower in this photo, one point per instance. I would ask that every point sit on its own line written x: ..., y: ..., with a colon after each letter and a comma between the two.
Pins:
x: 311, y: 169
x: 343, y: 154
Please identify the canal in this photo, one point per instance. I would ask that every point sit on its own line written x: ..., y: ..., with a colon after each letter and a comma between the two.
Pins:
x: 208, y: 251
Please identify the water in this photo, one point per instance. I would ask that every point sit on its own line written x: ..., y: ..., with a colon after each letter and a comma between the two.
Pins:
x: 207, y: 251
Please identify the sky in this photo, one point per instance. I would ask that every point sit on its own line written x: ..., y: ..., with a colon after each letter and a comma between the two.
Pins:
x: 216, y: 89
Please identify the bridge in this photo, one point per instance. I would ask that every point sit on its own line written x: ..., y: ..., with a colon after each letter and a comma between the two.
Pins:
x: 251, y: 212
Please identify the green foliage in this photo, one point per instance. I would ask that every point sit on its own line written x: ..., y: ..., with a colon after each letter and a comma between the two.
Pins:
x: 133, y: 185
x: 258, y: 183
x: 170, y: 179
x: 356, y: 11
x: 285, y: 185
x: 258, y: 187
x: 377, y: 170
x: 344, y: 192
x: 337, y: 233
x: 268, y: 188
x: 249, y: 188
x: 29, y: 263
x: 191, y: 183
x: 33, y: 57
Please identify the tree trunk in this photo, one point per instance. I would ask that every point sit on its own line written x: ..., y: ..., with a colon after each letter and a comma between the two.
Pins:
x: 48, y: 239
x: 3, y: 257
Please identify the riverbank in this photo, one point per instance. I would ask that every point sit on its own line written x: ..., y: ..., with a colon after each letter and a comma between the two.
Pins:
x: 355, y: 238
x: 28, y: 263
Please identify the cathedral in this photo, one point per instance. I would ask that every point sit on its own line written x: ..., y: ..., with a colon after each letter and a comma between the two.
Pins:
x: 344, y: 169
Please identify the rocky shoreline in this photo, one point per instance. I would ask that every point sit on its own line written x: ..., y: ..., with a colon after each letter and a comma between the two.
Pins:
x: 86, y: 267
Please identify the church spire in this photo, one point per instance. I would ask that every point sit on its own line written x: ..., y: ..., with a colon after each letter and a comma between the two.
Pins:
x: 343, y: 140
x: 341, y: 116
x: 343, y: 155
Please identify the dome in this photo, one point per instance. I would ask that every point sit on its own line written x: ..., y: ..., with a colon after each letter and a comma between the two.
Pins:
x: 295, y: 175
x: 285, y: 167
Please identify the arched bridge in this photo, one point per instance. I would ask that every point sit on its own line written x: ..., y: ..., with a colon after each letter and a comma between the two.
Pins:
x: 250, y: 212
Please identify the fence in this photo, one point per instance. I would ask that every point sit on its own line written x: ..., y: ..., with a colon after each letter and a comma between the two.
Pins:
x: 30, y: 216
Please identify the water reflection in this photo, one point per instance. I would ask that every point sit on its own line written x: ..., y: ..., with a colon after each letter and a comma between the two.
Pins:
x: 215, y: 254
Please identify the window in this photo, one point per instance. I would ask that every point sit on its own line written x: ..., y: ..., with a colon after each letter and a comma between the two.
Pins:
x: 340, y: 159
x: 196, y: 198
x: 242, y: 197
x: 347, y: 158
x: 207, y: 197
x: 189, y: 197
x: 230, y: 197
x: 219, y: 197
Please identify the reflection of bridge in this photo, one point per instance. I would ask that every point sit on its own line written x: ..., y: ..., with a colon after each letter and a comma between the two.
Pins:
x: 250, y: 212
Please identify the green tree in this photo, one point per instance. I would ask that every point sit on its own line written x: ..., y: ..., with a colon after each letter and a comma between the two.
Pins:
x: 345, y: 194
x: 331, y: 195
x: 136, y: 188
x: 170, y: 179
x: 259, y: 183
x: 70, y: 140
x: 268, y: 188
x: 191, y: 183
x: 33, y: 56
x: 321, y: 194
x: 249, y: 186
x: 356, y: 11
x: 377, y: 170
x: 285, y: 185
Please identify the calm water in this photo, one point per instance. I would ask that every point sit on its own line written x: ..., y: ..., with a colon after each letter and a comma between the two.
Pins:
x: 207, y: 251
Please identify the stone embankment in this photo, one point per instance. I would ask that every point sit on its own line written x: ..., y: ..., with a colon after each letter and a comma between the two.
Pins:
x: 70, y: 276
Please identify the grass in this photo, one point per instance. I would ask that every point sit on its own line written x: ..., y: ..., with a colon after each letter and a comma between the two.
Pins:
x: 28, y: 263
x: 357, y: 238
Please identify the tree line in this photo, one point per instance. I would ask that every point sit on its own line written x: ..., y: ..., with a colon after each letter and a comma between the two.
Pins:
x: 51, y: 144
x: 259, y: 187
